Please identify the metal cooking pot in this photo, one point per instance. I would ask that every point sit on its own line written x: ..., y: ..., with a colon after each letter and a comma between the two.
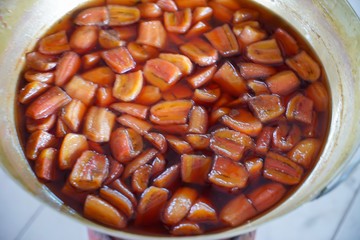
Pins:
x: 330, y: 26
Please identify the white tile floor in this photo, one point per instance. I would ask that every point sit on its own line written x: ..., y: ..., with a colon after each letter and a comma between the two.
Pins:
x: 335, y: 216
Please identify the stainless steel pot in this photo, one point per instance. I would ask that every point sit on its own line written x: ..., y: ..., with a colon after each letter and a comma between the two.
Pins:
x: 330, y: 26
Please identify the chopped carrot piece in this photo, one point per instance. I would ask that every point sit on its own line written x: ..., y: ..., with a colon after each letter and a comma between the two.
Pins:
x: 264, y: 140
x: 140, y: 126
x: 300, y: 108
x: 99, y: 210
x: 55, y: 43
x: 266, y: 52
x: 122, y: 15
x: 117, y: 200
x: 287, y: 43
x: 182, y: 62
x: 161, y: 73
x: 157, y: 140
x: 128, y: 86
x: 202, y: 76
x: 104, y: 97
x: 98, y: 124
x: 122, y: 188
x: 140, y: 178
x: 195, y: 168
x: 228, y: 174
x: 317, y: 92
x: 237, y: 211
x: 202, y: 14
x: 152, y: 33
x: 71, y: 149
x: 207, y: 95
x: 266, y: 107
x: 45, y: 124
x: 31, y: 91
x: 167, y: 5
x: 197, y: 30
x: 231, y: 144
x: 179, y: 205
x: 43, y: 77
x: 158, y: 165
x: 45, y: 165
x: 218, y: 113
x: 125, y: 144
x: 229, y: 80
x: 142, y: 52
x: 178, y: 145
x: 72, y: 114
x: 170, y: 112
x: 148, y: 95
x: 90, y: 171
x: 258, y: 87
x: 118, y: 59
x: 220, y: 12
x: 175, y: 129
x: 200, y: 52
x: 285, y: 137
x: 61, y: 128
x: 223, y: 39
x: 191, y: 4
x: 145, y: 157
x: 305, y: 66
x: 133, y: 109
x: 198, y: 120
x: 40, y: 62
x: 250, y: 35
x: 168, y: 178
x: 90, y: 60
x: 179, y: 21
x: 48, y: 103
x: 178, y: 91
x: 67, y: 67
x: 186, y: 228
x: 152, y: 201
x: 84, y: 38
x: 254, y: 166
x: 149, y: 10
x: 245, y: 14
x: 79, y: 88
x: 202, y: 211
x: 283, y: 83
x: 305, y: 152
x: 266, y: 196
x: 109, y: 39
x: 243, y: 121
x: 281, y: 169
x: 93, y: 16
x: 115, y: 171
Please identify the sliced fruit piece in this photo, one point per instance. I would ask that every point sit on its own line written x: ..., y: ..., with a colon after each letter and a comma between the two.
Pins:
x: 140, y: 126
x: 43, y: 77
x: 245, y: 14
x: 230, y: 144
x: 203, y: 13
x: 46, y: 165
x: 125, y: 144
x: 254, y: 166
x: 266, y: 107
x: 98, y: 124
x: 202, y: 211
x: 151, y: 203
x: 243, y: 121
x: 125, y: 2
x: 61, y: 129
x: 167, y: 5
x: 197, y: 30
x: 67, y: 67
x: 300, y: 108
x: 178, y: 145
x: 266, y: 52
x: 93, y: 16
x: 122, y: 15
x: 182, y: 62
x: 237, y: 211
x: 148, y: 95
x: 45, y: 124
x: 317, y: 92
x: 305, y: 151
x: 128, y: 86
x: 115, y: 171
x: 40, y: 62
x: 224, y: 99
x: 179, y: 205
x: 239, y: 27
x: 229, y: 80
x: 119, y: 59
x: 158, y: 165
x: 198, y: 141
x: 90, y: 60
x: 73, y: 193
x: 230, y: 4
x: 117, y: 200
x: 145, y: 157
x: 191, y: 4
x: 305, y: 66
x: 283, y: 83
x: 285, y: 137
x: 178, y: 91
x: 202, y: 76
x: 264, y: 140
x: 55, y: 43
x: 47, y: 103
x: 207, y: 95
x: 175, y: 129
x: 90, y: 171
x: 218, y: 114
x: 195, y: 168
x: 249, y: 35
x: 287, y: 43
x: 103, y: 76
x: 280, y: 169
x: 228, y: 174
x: 200, y: 52
x: 168, y: 178
x: 121, y: 187
x: 161, y: 73
x: 127, y: 33
x: 140, y: 178
x: 250, y: 70
x: 142, y: 52
x: 149, y: 10
x: 170, y: 112
x: 71, y: 149
x: 99, y: 210
x: 80, y: 89
x: 312, y: 129
x: 104, y: 97
x: 220, y: 12
x: 84, y: 39
x: 133, y: 109
x: 266, y: 196
x: 186, y: 228
x: 152, y: 33
x: 157, y: 140
x: 72, y: 114
x: 31, y: 91
x: 258, y: 87
x: 179, y: 21
x: 223, y: 39
x: 198, y: 120
x: 109, y: 39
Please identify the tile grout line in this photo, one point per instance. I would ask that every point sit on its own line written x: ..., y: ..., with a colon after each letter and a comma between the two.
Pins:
x: 29, y: 223
x: 357, y: 191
